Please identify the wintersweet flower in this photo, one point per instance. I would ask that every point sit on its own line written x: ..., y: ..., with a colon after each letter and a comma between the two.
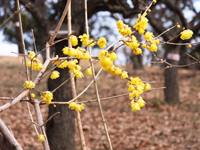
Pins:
x: 148, y: 36
x: 86, y: 56
x: 141, y: 23
x: 113, y: 56
x: 31, y: 54
x: 102, y: 42
x: 120, y: 24
x: 84, y: 37
x: 134, y: 94
x: 118, y: 71
x: 140, y: 89
x: 73, y: 40
x: 63, y: 63
x: 135, y: 106
x: 186, y: 34
x: 72, y: 52
x: 137, y: 51
x: 29, y: 84
x: 41, y: 138
x: 47, y: 97
x: 124, y: 75
x: 78, y: 74
x: 33, y: 95
x: 72, y: 105
x: 89, y: 71
x: 131, y: 88
x: 147, y: 87
x: 55, y: 75
x: 141, y: 102
x: 153, y: 48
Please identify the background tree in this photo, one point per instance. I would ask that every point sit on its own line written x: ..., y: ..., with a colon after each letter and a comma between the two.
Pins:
x: 41, y: 17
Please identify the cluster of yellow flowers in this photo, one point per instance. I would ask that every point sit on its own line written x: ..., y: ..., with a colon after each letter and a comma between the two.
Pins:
x: 151, y: 42
x: 36, y: 65
x: 47, y: 97
x: 78, y: 52
x: 74, y: 68
x: 141, y: 23
x: 29, y: 85
x: 88, y: 71
x: 136, y: 88
x: 106, y: 62
x: 123, y: 29
x: 55, y: 74
x: 86, y: 41
x: 77, y: 107
x: 133, y: 44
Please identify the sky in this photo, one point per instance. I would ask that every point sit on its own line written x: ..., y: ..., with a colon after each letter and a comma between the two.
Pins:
x: 6, y: 48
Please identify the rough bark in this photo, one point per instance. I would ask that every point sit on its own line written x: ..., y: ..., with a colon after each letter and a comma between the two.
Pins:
x: 171, y: 78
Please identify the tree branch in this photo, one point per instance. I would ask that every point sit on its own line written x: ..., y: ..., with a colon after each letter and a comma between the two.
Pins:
x: 9, y: 136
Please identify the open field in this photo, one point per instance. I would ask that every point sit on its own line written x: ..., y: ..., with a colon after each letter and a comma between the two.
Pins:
x: 156, y: 127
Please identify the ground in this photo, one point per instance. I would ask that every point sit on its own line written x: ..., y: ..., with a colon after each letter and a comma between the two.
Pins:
x: 157, y: 126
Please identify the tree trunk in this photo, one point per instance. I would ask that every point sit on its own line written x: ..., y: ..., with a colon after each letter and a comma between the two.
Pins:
x: 171, y: 76
x: 60, y: 129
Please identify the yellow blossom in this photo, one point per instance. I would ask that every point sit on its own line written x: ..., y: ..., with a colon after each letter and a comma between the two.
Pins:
x: 137, y: 51
x: 186, y: 34
x: 120, y: 24
x: 113, y: 56
x: 147, y: 87
x: 78, y: 74
x: 29, y: 85
x: 148, y: 36
x: 141, y: 23
x: 54, y: 75
x: 86, y: 56
x: 41, y: 138
x: 89, y: 71
x: 134, y: 94
x: 72, y: 105
x: 135, y: 106
x: 102, y: 42
x: 124, y: 75
x: 73, y: 40
x: 153, y: 48
x: 31, y: 54
x: 141, y: 102
x: 84, y: 37
x: 47, y: 97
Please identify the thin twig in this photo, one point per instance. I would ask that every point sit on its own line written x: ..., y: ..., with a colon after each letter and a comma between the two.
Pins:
x: 15, y: 13
x: 95, y: 83
x: 60, y: 23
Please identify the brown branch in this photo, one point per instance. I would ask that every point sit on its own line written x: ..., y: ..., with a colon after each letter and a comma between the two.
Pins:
x: 40, y: 122
x: 9, y: 136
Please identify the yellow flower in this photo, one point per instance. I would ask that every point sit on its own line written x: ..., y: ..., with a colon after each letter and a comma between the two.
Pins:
x: 153, y: 48
x: 89, y: 71
x: 72, y: 105
x: 148, y: 36
x: 71, y: 64
x: 124, y: 75
x: 137, y: 51
x: 84, y: 37
x: 62, y: 65
x: 141, y: 102
x: 72, y: 52
x: 47, y: 97
x: 147, y: 87
x: 29, y: 85
x: 131, y: 88
x: 78, y: 74
x: 135, y: 106
x: 65, y: 50
x: 141, y: 23
x: 186, y: 34
x: 41, y: 138
x: 134, y: 94
x: 140, y: 89
x: 86, y: 56
x: 73, y: 40
x: 144, y: 45
x: 113, y: 56
x: 102, y: 42
x: 31, y: 54
x: 120, y: 24
x: 55, y: 75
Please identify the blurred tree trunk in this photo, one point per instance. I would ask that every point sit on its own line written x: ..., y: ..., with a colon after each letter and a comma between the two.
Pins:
x: 137, y: 61
x: 171, y: 77
x: 61, y: 128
